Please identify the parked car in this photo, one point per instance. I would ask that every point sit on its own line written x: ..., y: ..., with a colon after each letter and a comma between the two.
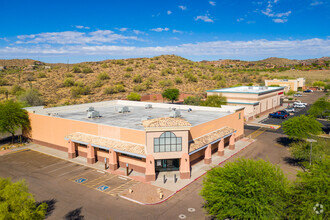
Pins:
x: 299, y: 102
x: 299, y: 105
x: 297, y: 95
x: 290, y: 110
x: 279, y: 114
x: 308, y: 90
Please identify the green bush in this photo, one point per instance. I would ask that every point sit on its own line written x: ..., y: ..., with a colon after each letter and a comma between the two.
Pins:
x: 42, y: 75
x: 103, y: 76
x: 3, y: 82
x: 87, y: 70
x: 114, y: 89
x: 166, y: 71
x: 76, y: 69
x: 68, y: 82
x: 16, y: 90
x: 139, y: 88
x: 76, y: 91
x: 178, y: 80
x: 119, y: 62
x: 104, y: 65
x: 129, y: 69
x: 133, y: 96
x: 192, y: 100
x: 137, y: 79
x: 97, y: 83
x: 217, y: 77
x: 31, y: 98
x: 68, y: 75
x: 79, y: 83
x: 127, y: 75
x: 166, y: 83
x: 152, y: 66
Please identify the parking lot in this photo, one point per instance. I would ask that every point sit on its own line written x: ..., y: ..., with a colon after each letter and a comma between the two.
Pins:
x: 307, y: 97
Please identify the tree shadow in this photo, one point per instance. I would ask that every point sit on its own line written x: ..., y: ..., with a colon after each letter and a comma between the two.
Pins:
x: 293, y: 162
x: 286, y: 141
x: 74, y: 215
x: 51, y: 206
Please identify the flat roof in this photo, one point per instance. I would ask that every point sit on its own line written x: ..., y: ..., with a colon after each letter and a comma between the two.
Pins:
x: 248, y: 89
x: 133, y: 120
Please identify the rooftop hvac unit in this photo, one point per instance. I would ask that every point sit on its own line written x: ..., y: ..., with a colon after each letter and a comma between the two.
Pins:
x: 90, y: 109
x: 93, y: 114
x: 148, y: 106
x: 123, y: 109
x: 175, y: 113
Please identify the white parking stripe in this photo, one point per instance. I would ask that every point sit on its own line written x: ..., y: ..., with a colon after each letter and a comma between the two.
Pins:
x: 62, y: 167
x: 79, y: 168
x: 61, y: 162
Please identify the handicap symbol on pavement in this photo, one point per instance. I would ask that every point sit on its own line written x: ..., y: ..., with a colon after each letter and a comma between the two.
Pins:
x: 103, y: 187
x: 80, y: 180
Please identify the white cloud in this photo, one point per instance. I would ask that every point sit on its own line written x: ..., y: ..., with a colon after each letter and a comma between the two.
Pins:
x: 82, y: 27
x: 182, y: 7
x: 138, y: 32
x: 122, y: 29
x: 169, y: 12
x: 212, y: 3
x: 73, y: 37
x: 278, y: 17
x: 315, y: 47
x: 177, y: 31
x: 239, y: 19
x: 204, y: 18
x: 175, y: 38
x: 315, y: 3
x: 160, y: 29
x: 279, y: 20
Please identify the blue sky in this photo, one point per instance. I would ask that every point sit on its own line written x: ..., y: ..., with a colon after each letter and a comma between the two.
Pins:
x: 80, y: 30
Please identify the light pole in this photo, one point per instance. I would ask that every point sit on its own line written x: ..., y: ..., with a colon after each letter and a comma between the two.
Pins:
x: 310, y: 154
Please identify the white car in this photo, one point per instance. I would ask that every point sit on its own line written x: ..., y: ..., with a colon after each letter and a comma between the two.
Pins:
x: 299, y: 102
x: 299, y: 105
x: 297, y: 95
x: 290, y: 110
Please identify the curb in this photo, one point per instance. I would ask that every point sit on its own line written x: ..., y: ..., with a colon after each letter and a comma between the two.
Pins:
x: 170, y: 196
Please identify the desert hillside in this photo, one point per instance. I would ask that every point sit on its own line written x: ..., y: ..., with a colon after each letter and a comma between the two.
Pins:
x: 61, y: 84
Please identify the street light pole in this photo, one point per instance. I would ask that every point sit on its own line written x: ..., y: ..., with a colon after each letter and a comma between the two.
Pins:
x: 310, y: 154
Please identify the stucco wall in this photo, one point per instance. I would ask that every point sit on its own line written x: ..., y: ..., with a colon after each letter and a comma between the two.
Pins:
x: 231, y: 120
x: 53, y: 130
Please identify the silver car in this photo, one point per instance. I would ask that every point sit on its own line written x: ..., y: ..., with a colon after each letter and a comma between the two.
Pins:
x: 290, y: 110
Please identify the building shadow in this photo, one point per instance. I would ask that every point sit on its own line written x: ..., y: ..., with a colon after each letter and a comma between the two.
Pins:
x: 293, y: 162
x: 74, y: 215
x: 51, y: 206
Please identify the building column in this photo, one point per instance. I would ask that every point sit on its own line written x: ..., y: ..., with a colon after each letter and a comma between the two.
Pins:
x: 208, y: 155
x: 185, y: 166
x: 221, y: 147
x: 232, y: 142
x: 90, y: 154
x: 71, y: 149
x: 150, y: 168
x: 113, y: 163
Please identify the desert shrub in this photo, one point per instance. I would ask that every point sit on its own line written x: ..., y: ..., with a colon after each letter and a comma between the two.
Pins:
x: 17, y: 90
x: 133, y: 96
x: 76, y: 91
x: 68, y: 82
x: 152, y: 66
x: 167, y: 71
x: 3, y: 82
x: 31, y: 98
x: 178, y: 80
x: 42, y: 75
x: 129, y: 69
x: 139, y: 88
x: 103, y: 76
x: 87, y: 70
x: 127, y: 75
x: 190, y: 77
x: 79, y: 83
x: 119, y: 62
x: 3, y: 90
x: 30, y: 77
x: 114, y: 89
x: 104, y: 65
x: 166, y: 83
x: 192, y: 100
x: 137, y: 79
x: 221, y: 84
x: 97, y: 83
x: 217, y: 77
x: 76, y: 69
x: 68, y: 75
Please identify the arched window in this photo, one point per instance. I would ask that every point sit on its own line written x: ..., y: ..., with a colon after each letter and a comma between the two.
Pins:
x: 167, y: 142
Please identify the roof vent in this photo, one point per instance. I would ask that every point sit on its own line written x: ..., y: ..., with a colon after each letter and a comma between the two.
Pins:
x: 146, y: 118
x: 90, y: 109
x: 175, y: 113
x: 93, y: 114
x: 123, y: 109
x: 148, y: 106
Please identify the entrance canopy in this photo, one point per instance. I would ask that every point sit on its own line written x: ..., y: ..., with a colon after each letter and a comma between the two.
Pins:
x: 108, y: 143
x: 210, y: 138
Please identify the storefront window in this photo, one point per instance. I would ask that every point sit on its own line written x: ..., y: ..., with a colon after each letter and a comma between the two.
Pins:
x: 167, y: 142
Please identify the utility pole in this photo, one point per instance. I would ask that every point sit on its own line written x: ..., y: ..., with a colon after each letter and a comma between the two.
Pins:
x: 310, y: 154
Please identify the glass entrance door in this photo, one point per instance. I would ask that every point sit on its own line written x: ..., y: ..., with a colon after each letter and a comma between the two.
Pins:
x: 167, y: 165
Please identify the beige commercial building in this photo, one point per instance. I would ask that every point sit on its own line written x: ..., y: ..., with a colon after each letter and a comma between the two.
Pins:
x: 255, y: 99
x: 289, y: 84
